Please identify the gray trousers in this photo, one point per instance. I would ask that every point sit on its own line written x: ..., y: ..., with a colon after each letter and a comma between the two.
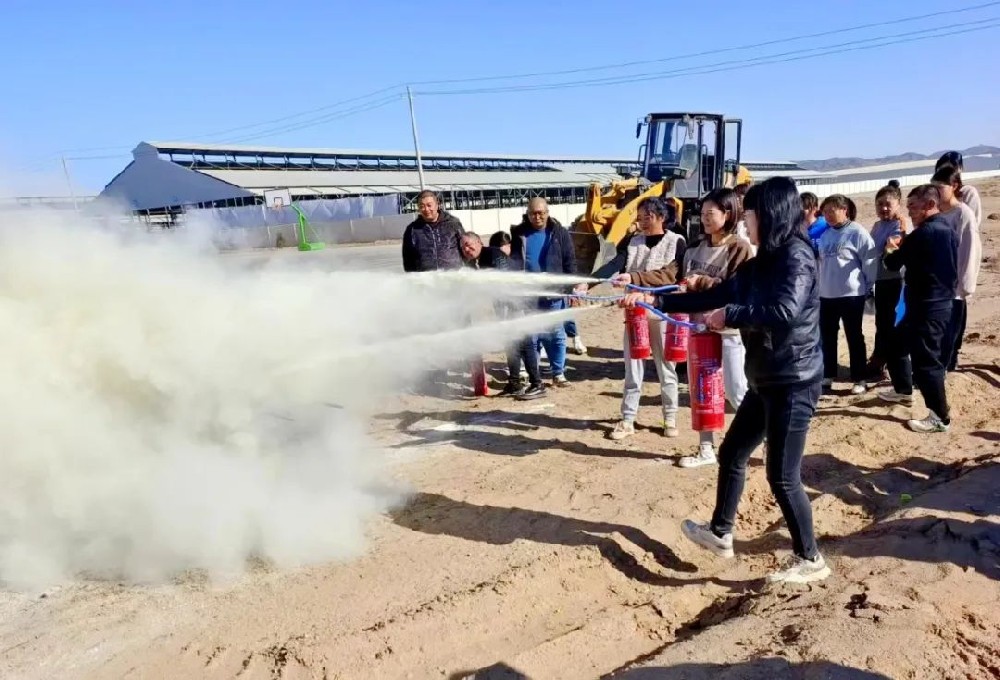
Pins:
x: 666, y: 371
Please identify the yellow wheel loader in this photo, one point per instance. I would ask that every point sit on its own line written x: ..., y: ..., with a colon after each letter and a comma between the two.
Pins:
x: 685, y: 156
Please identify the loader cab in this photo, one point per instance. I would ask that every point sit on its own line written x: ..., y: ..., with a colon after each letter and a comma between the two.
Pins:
x: 693, y: 153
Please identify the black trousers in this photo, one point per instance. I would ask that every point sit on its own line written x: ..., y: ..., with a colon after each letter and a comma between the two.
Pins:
x: 952, y: 342
x: 782, y: 414
x: 923, y: 330
x: 886, y: 298
x: 523, y: 350
x: 850, y: 311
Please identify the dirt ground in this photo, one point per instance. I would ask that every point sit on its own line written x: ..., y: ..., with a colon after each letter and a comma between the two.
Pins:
x: 534, y: 547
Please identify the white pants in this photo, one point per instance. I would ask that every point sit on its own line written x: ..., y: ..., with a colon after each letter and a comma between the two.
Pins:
x: 666, y: 371
x: 733, y: 376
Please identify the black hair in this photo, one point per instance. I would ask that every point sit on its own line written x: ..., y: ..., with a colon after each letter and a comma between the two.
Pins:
x: 499, y: 239
x: 778, y: 208
x: 926, y: 192
x: 890, y: 190
x: 655, y: 205
x: 852, y: 209
x: 729, y: 202
x: 843, y: 203
x: 948, y: 174
x: 810, y: 202
x: 952, y: 158
x: 425, y: 193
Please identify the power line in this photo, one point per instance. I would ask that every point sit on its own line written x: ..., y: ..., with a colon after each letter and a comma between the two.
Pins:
x: 370, y: 106
x: 327, y: 107
x: 691, y: 55
x: 736, y: 64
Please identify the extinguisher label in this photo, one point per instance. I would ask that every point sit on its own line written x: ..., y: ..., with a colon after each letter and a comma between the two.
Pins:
x: 710, y: 387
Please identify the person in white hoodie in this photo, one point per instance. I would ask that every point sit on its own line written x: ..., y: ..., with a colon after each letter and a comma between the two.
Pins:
x: 962, y: 220
x: 847, y: 273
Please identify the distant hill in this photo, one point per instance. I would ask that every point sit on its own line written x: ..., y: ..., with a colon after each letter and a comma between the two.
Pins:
x: 845, y: 163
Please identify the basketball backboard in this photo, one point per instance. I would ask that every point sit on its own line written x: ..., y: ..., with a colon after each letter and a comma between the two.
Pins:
x: 277, y: 198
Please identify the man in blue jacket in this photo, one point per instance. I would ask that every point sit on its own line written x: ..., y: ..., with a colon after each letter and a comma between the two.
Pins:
x: 541, y: 244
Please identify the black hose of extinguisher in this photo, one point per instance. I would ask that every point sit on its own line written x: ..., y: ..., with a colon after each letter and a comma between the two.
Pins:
x: 697, y: 327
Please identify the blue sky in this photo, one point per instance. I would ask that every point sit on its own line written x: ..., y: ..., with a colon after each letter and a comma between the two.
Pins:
x: 110, y: 74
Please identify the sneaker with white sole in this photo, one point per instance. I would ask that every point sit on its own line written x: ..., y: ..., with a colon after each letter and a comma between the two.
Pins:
x: 859, y: 387
x: 928, y: 425
x: 670, y: 428
x: 623, y: 430
x: 800, y: 570
x: 560, y: 381
x: 702, y: 536
x: 894, y: 397
x: 578, y: 345
x: 705, y: 456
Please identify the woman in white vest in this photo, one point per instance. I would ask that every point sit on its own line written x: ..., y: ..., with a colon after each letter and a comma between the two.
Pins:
x: 654, y: 256
x: 706, y: 264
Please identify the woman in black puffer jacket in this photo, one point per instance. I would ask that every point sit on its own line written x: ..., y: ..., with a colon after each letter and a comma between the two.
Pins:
x: 773, y: 300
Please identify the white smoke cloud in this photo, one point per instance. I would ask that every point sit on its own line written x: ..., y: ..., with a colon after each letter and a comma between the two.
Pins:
x: 166, y: 407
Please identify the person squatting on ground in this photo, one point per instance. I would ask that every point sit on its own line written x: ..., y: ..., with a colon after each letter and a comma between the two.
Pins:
x: 540, y: 244
x: 846, y: 279
x: 708, y: 263
x: 522, y: 352
x: 652, y: 257
x: 888, y: 283
x: 970, y: 252
x: 930, y: 255
x: 773, y: 299
x: 432, y: 241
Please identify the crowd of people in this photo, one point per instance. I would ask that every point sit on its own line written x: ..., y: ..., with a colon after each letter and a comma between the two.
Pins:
x: 777, y: 274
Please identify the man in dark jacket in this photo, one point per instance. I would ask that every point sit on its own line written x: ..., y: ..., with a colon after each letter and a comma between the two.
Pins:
x: 541, y: 244
x: 930, y: 255
x: 432, y: 241
x: 478, y: 256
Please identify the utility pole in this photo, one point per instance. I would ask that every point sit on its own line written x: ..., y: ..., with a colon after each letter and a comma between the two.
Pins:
x: 69, y: 184
x: 416, y: 140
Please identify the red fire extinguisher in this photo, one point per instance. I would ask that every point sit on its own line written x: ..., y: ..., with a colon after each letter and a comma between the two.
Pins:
x: 707, y: 388
x: 638, y: 333
x: 479, y: 385
x: 675, y: 347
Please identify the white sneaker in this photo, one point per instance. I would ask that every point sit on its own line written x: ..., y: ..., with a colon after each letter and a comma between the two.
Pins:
x: 800, y: 570
x: 928, y: 425
x: 859, y: 388
x: 701, y: 535
x: 560, y: 381
x: 705, y: 456
x: 623, y: 430
x: 578, y: 345
x: 670, y: 428
x: 894, y: 397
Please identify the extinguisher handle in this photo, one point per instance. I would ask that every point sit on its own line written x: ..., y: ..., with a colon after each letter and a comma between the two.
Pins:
x: 696, y: 327
x: 655, y: 289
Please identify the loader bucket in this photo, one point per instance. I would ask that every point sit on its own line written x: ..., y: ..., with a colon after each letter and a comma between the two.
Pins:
x: 592, y: 251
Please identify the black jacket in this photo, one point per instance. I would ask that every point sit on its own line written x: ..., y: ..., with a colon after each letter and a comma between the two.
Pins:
x: 561, y: 258
x: 930, y: 255
x: 492, y: 258
x: 428, y: 247
x: 773, y: 299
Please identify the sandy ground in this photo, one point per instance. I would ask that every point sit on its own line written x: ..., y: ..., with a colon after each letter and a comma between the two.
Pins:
x: 533, y: 547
